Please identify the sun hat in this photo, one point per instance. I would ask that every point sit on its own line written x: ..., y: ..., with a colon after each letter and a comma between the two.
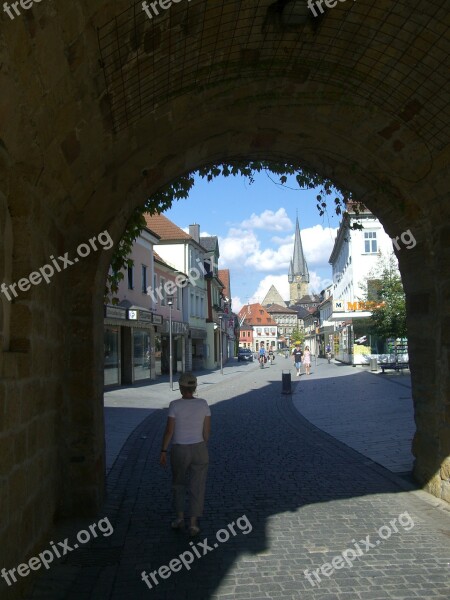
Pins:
x: 188, y: 380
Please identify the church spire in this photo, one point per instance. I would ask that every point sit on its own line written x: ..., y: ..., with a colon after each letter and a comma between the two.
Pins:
x: 299, y: 266
x: 298, y: 275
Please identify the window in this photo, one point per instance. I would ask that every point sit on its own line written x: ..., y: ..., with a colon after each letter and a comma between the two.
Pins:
x: 192, y: 305
x: 144, y: 279
x: 178, y: 298
x: 370, y: 242
x: 130, y: 278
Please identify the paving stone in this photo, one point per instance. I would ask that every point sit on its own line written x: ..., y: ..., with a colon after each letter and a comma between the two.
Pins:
x: 307, y: 496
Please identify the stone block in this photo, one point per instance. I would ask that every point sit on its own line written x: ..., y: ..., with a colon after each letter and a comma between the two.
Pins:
x: 20, y: 446
x: 445, y: 491
x: 6, y: 454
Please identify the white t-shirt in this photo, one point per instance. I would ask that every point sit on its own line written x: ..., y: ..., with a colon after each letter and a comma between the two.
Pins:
x: 189, y: 415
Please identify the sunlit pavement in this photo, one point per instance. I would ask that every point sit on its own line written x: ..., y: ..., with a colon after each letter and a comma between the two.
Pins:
x: 309, y: 499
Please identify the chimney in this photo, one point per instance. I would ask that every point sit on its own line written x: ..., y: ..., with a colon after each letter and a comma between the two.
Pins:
x: 194, y: 232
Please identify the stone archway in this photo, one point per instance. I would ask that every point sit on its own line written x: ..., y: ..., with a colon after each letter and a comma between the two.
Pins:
x: 372, y: 119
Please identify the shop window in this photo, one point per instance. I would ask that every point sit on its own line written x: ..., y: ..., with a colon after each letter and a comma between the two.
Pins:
x: 141, y: 354
x: 111, y: 356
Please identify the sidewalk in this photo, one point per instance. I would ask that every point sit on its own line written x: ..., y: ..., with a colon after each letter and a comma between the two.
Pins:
x: 308, y: 497
x: 127, y: 407
x: 370, y: 412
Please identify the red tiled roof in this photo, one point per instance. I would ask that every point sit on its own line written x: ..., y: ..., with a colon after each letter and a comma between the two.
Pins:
x: 163, y: 227
x: 253, y: 312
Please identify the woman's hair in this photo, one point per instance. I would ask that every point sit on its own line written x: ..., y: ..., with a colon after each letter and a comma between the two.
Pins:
x: 307, y: 348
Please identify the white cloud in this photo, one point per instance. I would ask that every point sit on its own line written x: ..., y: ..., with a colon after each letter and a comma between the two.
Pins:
x: 318, y: 243
x: 241, y: 247
x: 236, y: 304
x: 269, y: 220
x: 202, y: 233
x: 270, y: 259
x: 238, y: 245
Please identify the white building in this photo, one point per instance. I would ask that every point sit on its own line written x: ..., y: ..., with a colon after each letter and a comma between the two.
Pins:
x: 355, y: 254
x: 185, y: 253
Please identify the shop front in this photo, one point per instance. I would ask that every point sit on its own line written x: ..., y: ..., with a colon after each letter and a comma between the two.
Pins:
x: 198, y: 348
x: 129, y: 336
x: 179, y: 336
x: 353, y: 342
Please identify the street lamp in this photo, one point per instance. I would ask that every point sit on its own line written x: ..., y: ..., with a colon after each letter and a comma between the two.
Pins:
x: 315, y: 340
x: 170, y: 304
x: 220, y: 315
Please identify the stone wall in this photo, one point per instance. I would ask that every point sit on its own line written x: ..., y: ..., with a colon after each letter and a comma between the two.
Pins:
x: 370, y: 115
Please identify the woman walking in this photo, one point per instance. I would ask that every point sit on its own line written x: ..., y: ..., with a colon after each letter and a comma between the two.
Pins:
x: 307, y: 360
x: 188, y: 427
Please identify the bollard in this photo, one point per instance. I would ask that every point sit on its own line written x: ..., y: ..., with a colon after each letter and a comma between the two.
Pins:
x: 286, y: 383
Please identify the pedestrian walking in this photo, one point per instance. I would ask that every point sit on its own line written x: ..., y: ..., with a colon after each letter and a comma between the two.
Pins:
x: 188, y: 428
x: 297, y: 354
x: 307, y: 360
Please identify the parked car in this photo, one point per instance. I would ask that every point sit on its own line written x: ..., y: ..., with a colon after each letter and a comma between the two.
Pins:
x: 245, y: 354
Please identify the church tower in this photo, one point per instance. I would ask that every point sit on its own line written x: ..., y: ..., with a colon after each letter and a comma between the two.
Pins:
x: 298, y: 270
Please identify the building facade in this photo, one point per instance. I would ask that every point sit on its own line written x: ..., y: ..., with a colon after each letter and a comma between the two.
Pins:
x: 264, y: 327
x: 185, y: 254
x: 286, y: 320
x: 355, y: 254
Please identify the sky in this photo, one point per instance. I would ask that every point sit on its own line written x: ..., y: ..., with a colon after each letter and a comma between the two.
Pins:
x: 255, y: 224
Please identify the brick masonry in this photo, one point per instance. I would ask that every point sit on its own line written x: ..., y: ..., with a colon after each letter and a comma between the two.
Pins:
x: 361, y: 99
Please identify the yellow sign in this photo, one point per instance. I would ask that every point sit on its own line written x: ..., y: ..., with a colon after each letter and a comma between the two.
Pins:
x: 370, y: 305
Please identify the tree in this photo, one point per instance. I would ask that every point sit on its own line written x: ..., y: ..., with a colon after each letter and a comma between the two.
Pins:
x: 383, y: 289
x: 297, y: 335
x: 180, y: 188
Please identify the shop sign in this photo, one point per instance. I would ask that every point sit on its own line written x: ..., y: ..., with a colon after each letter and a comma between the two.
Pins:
x: 157, y: 319
x: 338, y: 306
x: 115, y: 312
x: 143, y: 315
x: 139, y: 315
x: 370, y: 305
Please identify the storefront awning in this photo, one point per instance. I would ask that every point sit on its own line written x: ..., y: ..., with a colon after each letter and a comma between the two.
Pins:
x: 345, y: 316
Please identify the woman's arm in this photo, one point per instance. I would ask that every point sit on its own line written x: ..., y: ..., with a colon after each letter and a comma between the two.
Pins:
x: 168, y: 433
x: 206, y: 428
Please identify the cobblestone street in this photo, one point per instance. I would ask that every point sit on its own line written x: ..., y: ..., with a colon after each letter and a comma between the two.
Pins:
x: 308, y: 497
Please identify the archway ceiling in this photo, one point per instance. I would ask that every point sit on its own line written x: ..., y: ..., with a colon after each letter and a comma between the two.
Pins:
x: 390, y: 57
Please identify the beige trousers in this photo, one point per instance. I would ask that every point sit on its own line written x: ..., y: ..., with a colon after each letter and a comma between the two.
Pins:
x: 189, y: 461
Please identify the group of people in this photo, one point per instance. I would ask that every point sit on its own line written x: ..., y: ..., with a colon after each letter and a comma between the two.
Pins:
x: 262, y: 357
x: 301, y: 357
